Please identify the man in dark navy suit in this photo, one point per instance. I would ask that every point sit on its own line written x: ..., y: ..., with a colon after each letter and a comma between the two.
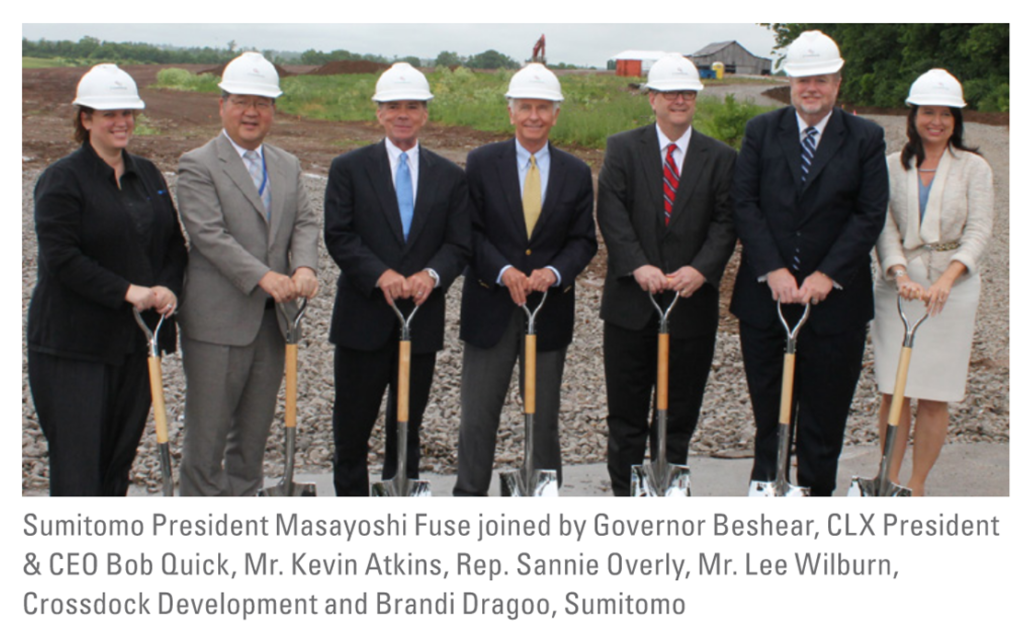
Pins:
x: 533, y: 231
x: 811, y: 191
x: 396, y: 221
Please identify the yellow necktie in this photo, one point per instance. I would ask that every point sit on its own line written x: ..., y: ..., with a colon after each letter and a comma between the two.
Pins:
x: 531, y: 196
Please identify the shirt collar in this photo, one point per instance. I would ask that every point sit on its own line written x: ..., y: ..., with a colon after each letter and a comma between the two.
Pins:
x: 523, y: 156
x: 394, y: 152
x: 820, y: 126
x: 683, y: 142
x: 240, y: 150
x: 106, y: 169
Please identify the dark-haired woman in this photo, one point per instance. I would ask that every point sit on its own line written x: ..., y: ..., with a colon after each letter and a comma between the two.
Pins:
x: 109, y: 240
x: 940, y: 220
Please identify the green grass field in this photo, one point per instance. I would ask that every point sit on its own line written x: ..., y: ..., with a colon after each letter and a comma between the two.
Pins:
x: 43, y: 63
x: 595, y: 107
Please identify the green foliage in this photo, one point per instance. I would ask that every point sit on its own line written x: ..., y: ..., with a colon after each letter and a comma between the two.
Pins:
x: 448, y: 59
x: 727, y: 121
x: 182, y: 80
x: 883, y: 60
x: 91, y: 51
x: 491, y: 59
x: 42, y: 63
x: 144, y: 126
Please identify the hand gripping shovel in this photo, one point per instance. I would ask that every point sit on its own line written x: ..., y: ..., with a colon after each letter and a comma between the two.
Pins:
x: 658, y: 478
x: 529, y: 481
x: 400, y: 485
x: 780, y: 486
x: 288, y: 487
x: 882, y: 486
x: 156, y: 387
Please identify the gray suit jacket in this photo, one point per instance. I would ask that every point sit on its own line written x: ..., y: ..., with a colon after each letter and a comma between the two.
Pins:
x: 232, y: 245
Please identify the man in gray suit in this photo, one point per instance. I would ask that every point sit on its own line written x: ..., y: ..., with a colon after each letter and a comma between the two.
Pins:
x: 252, y: 246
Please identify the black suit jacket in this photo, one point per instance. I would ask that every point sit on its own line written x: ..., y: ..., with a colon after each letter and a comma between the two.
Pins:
x: 363, y: 233
x: 564, y: 238
x: 832, y: 221
x: 90, y: 252
x: 630, y: 211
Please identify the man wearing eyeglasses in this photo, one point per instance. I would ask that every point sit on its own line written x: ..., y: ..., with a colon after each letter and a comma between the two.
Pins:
x: 253, y: 247
x: 665, y: 212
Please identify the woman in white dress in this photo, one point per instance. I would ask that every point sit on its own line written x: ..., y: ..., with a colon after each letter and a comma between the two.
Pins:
x: 939, y: 222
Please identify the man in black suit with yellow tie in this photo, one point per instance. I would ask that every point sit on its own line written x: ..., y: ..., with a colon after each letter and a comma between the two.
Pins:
x: 811, y: 192
x: 533, y: 231
x: 396, y: 221
x: 665, y: 212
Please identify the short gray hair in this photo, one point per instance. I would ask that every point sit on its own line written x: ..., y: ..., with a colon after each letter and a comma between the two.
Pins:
x: 512, y: 103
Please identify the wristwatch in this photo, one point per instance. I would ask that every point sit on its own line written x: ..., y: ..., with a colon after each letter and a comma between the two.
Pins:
x: 899, y: 273
x: 434, y: 276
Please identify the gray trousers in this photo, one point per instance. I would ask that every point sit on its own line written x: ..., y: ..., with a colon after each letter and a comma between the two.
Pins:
x: 229, y: 406
x: 486, y: 373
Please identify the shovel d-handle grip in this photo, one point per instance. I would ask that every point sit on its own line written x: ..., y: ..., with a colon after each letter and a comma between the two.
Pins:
x: 896, y: 410
x: 291, y: 384
x: 786, y: 405
x: 530, y: 375
x: 156, y: 387
x: 404, y: 359
x: 662, y: 387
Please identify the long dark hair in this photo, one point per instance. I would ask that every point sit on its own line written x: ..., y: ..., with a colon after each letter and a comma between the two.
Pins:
x: 914, y: 148
x: 82, y: 133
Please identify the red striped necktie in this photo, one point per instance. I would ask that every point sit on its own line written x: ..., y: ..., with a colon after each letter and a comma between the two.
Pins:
x: 671, y: 181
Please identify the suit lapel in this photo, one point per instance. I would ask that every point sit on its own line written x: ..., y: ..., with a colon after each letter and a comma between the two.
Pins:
x: 278, y: 187
x: 425, y: 192
x: 556, y: 180
x: 693, y: 168
x: 789, y: 137
x: 235, y: 169
x: 654, y: 173
x: 831, y: 141
x: 507, y: 167
x: 379, y: 172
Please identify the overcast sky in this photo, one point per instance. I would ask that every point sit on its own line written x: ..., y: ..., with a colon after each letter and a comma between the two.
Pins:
x: 582, y: 44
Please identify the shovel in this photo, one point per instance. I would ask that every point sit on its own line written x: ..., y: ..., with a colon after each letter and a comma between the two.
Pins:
x: 400, y: 485
x: 882, y: 486
x: 156, y: 388
x: 658, y: 478
x: 288, y: 487
x: 529, y: 481
x: 780, y: 486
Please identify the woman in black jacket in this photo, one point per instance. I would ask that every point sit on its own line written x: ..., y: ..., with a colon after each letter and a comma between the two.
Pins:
x: 109, y: 240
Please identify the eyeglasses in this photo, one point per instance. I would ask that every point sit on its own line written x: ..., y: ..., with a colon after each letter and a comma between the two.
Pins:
x: 672, y: 96
x: 261, y: 104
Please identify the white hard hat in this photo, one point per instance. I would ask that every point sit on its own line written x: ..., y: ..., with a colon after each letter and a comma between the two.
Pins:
x: 402, y: 82
x: 937, y: 87
x: 674, y: 73
x: 812, y: 53
x: 535, y: 81
x: 106, y: 87
x: 251, y: 74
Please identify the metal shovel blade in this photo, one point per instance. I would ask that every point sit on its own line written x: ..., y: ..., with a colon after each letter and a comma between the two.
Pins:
x: 864, y: 487
x: 288, y: 487
x: 778, y: 488
x: 397, y: 488
x: 673, y: 481
x: 543, y: 483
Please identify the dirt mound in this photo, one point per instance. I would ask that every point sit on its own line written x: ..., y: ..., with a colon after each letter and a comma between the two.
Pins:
x: 342, y: 67
x: 219, y: 71
x: 981, y: 117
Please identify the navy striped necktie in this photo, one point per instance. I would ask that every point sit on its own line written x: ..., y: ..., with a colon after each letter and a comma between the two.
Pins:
x: 807, y: 152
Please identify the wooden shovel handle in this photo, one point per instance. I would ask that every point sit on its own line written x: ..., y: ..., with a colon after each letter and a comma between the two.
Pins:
x: 530, y: 375
x: 156, y: 388
x: 786, y: 405
x: 291, y: 384
x: 404, y: 359
x: 895, y: 412
x: 663, y: 371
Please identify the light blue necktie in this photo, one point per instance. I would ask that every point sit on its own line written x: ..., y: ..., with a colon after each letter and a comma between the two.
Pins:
x: 258, y: 172
x: 403, y: 187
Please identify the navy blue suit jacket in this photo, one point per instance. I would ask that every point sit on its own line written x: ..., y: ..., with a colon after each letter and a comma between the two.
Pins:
x: 831, y: 221
x: 564, y: 237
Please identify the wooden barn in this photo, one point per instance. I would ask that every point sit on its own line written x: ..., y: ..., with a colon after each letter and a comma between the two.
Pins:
x: 636, y: 63
x: 735, y: 58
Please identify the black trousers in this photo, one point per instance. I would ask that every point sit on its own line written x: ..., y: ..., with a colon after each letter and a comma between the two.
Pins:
x: 93, y: 416
x: 360, y: 379
x: 827, y: 370
x: 630, y: 368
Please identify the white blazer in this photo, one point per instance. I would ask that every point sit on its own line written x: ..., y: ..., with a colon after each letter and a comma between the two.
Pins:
x: 960, y: 209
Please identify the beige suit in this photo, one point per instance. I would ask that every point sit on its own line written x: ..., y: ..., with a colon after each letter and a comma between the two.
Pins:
x: 957, y: 225
x: 232, y: 339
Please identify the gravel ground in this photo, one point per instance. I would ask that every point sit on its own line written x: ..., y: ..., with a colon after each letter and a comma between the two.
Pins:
x: 726, y: 427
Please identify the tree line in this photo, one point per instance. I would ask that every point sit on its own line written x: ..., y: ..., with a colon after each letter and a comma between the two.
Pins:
x: 882, y: 60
